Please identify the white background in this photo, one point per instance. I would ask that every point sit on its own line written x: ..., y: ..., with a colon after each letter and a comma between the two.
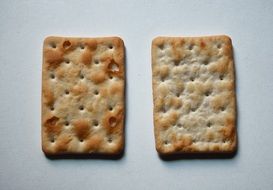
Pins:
x: 24, y: 25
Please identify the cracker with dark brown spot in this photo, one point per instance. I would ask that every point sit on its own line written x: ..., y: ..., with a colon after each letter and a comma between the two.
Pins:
x: 83, y: 95
x: 194, y: 95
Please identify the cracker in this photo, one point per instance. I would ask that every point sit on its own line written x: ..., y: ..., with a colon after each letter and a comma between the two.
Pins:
x: 83, y: 95
x: 194, y: 95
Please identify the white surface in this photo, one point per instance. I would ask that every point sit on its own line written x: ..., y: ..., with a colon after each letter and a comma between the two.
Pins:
x: 23, y: 26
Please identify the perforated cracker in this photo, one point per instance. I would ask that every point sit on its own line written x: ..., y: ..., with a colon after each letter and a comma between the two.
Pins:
x: 83, y: 95
x: 194, y: 94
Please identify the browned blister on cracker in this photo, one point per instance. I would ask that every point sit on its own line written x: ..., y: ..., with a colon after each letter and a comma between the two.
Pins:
x: 83, y: 95
x: 194, y: 95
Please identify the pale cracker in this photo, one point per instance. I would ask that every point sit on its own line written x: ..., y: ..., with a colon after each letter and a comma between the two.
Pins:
x: 194, y: 94
x: 83, y: 95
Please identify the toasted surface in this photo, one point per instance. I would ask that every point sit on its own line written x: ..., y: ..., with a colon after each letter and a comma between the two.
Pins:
x: 194, y: 94
x: 83, y: 95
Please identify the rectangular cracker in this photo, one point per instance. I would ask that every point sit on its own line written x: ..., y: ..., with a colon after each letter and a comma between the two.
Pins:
x: 194, y: 95
x: 83, y: 95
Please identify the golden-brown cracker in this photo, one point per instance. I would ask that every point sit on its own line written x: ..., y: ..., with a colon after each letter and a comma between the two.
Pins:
x: 194, y: 94
x: 83, y: 95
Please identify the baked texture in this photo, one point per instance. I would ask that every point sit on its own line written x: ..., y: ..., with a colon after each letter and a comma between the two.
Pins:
x: 83, y: 95
x: 194, y: 95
